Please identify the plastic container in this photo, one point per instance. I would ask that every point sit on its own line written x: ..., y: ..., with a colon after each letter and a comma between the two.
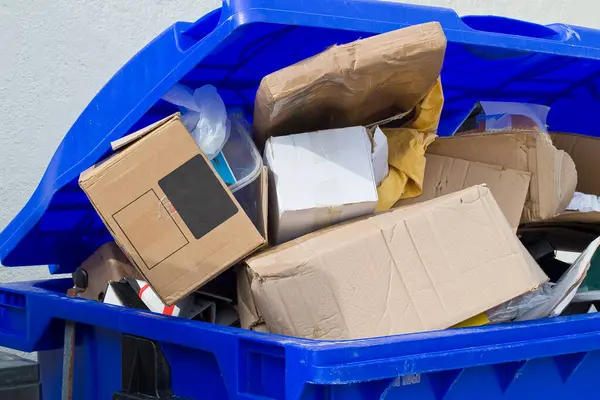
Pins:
x: 240, y: 153
x: 241, y: 164
x: 488, y: 58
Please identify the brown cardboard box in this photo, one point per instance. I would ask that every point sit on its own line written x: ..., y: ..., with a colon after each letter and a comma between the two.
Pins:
x: 445, y: 175
x: 572, y: 230
x: 424, y: 267
x: 108, y: 263
x: 358, y: 83
x: 585, y: 152
x: 553, y: 174
x: 168, y: 209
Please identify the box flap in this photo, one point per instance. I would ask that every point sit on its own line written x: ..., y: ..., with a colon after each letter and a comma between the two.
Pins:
x: 445, y: 175
x: 250, y: 318
x: 584, y: 151
x: 553, y: 174
x: 125, y: 140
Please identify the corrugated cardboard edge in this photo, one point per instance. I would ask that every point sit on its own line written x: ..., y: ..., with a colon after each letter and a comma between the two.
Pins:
x: 88, y: 177
x: 557, y: 172
x: 125, y: 140
x: 584, y: 152
x: 445, y: 164
x: 591, y: 217
x: 250, y: 318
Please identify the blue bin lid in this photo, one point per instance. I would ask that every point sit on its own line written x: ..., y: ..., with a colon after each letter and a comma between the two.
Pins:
x: 488, y: 58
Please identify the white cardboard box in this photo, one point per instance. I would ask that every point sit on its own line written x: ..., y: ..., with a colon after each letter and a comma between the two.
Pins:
x: 319, y: 179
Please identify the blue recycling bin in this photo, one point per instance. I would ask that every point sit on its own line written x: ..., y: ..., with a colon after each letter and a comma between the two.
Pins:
x: 124, y: 353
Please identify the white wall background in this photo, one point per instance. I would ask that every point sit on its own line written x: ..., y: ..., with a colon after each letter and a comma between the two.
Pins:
x: 56, y: 55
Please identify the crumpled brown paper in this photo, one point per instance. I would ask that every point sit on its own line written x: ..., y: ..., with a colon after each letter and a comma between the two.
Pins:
x: 358, y: 83
x: 407, y: 146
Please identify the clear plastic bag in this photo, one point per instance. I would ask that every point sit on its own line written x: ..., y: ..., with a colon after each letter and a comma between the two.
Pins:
x: 502, y: 116
x: 204, y: 115
x: 513, y: 309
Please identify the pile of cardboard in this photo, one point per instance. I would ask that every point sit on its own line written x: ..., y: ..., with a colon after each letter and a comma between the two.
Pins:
x: 344, y: 134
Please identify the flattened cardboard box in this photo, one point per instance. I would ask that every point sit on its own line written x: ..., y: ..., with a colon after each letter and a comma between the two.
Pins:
x: 424, y: 267
x: 168, y: 209
x: 553, y: 174
x: 573, y: 230
x: 445, y: 175
x: 585, y: 152
x: 358, y: 83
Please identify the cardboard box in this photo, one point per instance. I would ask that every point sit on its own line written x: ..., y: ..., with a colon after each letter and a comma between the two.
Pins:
x: 572, y: 230
x: 553, y: 174
x: 424, y: 267
x: 108, y: 263
x: 250, y: 317
x: 445, y: 175
x: 169, y: 210
x: 585, y: 151
x: 319, y: 179
x: 358, y: 83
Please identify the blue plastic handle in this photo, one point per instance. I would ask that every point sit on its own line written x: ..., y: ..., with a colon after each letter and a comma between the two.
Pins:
x: 488, y: 31
x: 509, y: 26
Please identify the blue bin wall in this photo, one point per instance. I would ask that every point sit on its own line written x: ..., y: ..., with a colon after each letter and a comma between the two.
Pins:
x: 546, y: 359
x: 488, y: 58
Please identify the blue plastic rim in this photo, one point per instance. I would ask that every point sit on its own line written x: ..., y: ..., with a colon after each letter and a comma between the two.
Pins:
x: 488, y: 58
x: 547, y: 359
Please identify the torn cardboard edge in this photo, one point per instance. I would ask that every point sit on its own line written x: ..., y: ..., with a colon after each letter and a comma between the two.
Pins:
x: 250, y: 317
x: 553, y: 173
x: 584, y: 151
x: 132, y: 137
x: 444, y: 175
x: 107, y: 263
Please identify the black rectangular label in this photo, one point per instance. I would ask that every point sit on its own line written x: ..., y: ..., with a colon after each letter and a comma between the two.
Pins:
x: 198, y: 196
